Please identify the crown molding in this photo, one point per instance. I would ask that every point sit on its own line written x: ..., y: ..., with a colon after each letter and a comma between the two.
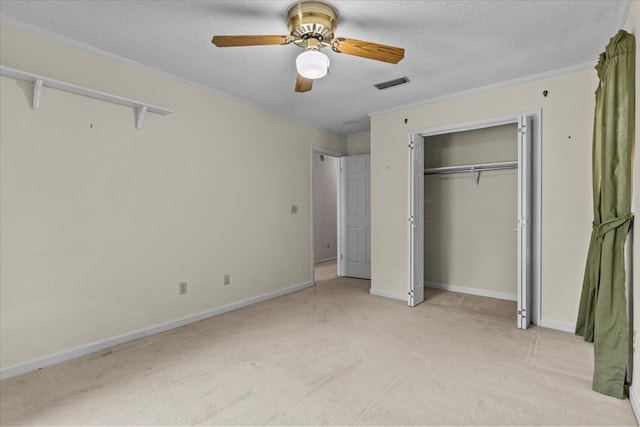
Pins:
x: 487, y: 88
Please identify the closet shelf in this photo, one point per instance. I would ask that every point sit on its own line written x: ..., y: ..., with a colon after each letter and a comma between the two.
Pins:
x: 39, y: 81
x: 472, y: 168
x: 477, y: 168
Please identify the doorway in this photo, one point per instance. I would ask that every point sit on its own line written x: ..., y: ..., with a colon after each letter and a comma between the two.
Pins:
x: 325, y: 182
x: 341, y: 214
x: 524, y: 216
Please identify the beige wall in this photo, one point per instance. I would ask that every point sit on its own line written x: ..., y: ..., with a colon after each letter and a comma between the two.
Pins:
x: 567, y: 117
x: 470, y: 239
x: 633, y: 26
x: 325, y: 210
x: 359, y: 144
x: 100, y: 221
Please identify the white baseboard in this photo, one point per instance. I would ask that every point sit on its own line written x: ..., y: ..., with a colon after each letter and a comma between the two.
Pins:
x: 551, y: 324
x: 560, y: 326
x: 472, y: 291
x: 32, y: 365
x: 393, y: 295
x: 635, y: 404
x: 318, y: 261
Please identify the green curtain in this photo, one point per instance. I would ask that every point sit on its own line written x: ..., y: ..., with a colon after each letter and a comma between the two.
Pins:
x: 602, y: 316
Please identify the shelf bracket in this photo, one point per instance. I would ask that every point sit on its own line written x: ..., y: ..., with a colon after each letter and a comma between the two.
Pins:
x: 140, y: 116
x: 477, y: 174
x: 37, y: 93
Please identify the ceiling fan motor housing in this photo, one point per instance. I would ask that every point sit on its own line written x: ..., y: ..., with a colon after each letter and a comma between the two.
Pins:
x: 312, y: 24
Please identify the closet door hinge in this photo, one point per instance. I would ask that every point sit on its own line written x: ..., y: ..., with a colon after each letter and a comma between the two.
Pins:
x: 412, y: 145
x: 340, y: 257
x: 522, y: 129
x: 412, y: 220
x: 522, y: 313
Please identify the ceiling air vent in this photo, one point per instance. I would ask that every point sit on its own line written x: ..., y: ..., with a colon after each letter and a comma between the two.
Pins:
x: 392, y: 83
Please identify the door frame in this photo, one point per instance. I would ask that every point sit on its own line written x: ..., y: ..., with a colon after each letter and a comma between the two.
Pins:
x: 536, y: 178
x: 315, y: 150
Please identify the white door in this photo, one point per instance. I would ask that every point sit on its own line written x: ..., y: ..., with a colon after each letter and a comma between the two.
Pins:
x: 356, y: 213
x: 525, y: 281
x: 416, y: 220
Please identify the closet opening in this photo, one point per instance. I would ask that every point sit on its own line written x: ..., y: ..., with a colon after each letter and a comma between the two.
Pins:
x: 474, y: 214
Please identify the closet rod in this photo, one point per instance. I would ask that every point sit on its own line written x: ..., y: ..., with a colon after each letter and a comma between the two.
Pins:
x: 472, y: 168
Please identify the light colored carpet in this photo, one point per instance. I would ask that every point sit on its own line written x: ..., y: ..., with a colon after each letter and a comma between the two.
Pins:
x: 325, y: 271
x: 331, y: 354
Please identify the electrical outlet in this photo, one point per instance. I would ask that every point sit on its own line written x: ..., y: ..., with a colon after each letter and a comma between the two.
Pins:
x: 227, y: 279
x: 294, y: 209
x: 182, y: 288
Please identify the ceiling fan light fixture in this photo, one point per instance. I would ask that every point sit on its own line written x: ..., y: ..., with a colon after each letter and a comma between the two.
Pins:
x: 312, y: 64
x: 312, y: 25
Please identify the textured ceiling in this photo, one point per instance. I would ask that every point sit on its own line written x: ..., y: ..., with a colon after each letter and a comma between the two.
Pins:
x: 451, y: 46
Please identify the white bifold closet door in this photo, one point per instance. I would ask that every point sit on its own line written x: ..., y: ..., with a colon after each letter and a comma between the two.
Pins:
x: 416, y: 220
x: 525, y: 281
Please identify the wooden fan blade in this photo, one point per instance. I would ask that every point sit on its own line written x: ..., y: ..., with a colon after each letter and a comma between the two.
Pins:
x: 379, y: 52
x: 303, y: 85
x: 231, y: 41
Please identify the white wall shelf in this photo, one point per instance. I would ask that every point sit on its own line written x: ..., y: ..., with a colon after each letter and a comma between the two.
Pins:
x: 39, y: 81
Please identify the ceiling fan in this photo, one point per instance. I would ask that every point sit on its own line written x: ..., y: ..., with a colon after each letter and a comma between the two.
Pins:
x: 311, y: 27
